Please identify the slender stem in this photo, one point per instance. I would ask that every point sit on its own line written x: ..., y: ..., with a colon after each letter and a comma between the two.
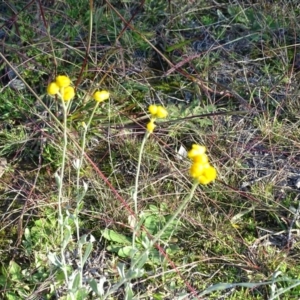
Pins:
x: 60, y: 189
x: 76, y: 221
x: 136, y: 185
x: 78, y: 166
x: 90, y: 27
x: 138, y: 170
x: 86, y: 127
x: 186, y: 200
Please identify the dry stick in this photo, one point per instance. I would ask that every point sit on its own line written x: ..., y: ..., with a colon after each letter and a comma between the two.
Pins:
x: 20, y: 222
x: 200, y: 82
x: 122, y: 32
x: 20, y: 225
x: 107, y: 182
x: 48, y: 34
x: 60, y: 127
x: 32, y: 91
x: 127, y: 24
x: 88, y: 45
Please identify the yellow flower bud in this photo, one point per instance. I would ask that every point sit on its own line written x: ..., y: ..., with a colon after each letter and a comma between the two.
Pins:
x: 67, y: 93
x: 196, y: 150
x: 203, y: 180
x: 101, y: 96
x: 52, y: 89
x: 200, y: 158
x: 196, y: 170
x: 157, y: 111
x: 151, y: 126
x: 161, y: 112
x: 62, y: 81
x: 209, y: 175
x: 201, y: 169
x: 152, y: 109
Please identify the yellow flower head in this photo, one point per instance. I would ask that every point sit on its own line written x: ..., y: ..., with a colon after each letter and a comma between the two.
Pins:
x: 152, y: 109
x: 201, y: 158
x: 209, y: 174
x: 196, y: 151
x: 101, y: 96
x: 203, y: 180
x: 196, y: 169
x: 62, y: 81
x: 201, y: 170
x: 157, y: 111
x: 52, y: 89
x: 67, y: 93
x: 161, y: 112
x: 151, y: 126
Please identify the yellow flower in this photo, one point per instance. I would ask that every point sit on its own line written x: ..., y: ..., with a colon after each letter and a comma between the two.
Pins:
x: 200, y: 158
x: 196, y: 151
x: 52, y: 89
x: 67, y: 93
x: 203, y: 180
x: 209, y: 175
x: 201, y: 170
x: 152, y: 109
x: 157, y: 111
x: 62, y: 81
x: 101, y: 96
x: 151, y: 126
x: 196, y: 169
x: 161, y: 112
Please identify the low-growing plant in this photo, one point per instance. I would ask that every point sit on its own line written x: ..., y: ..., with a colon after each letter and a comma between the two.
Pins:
x: 150, y: 222
x: 226, y: 76
x: 68, y: 222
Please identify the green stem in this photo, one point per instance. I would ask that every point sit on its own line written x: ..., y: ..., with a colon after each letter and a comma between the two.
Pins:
x: 91, y: 2
x: 138, y: 170
x: 186, y: 200
x: 136, y: 185
x: 79, y: 198
x: 60, y: 190
x: 86, y: 127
